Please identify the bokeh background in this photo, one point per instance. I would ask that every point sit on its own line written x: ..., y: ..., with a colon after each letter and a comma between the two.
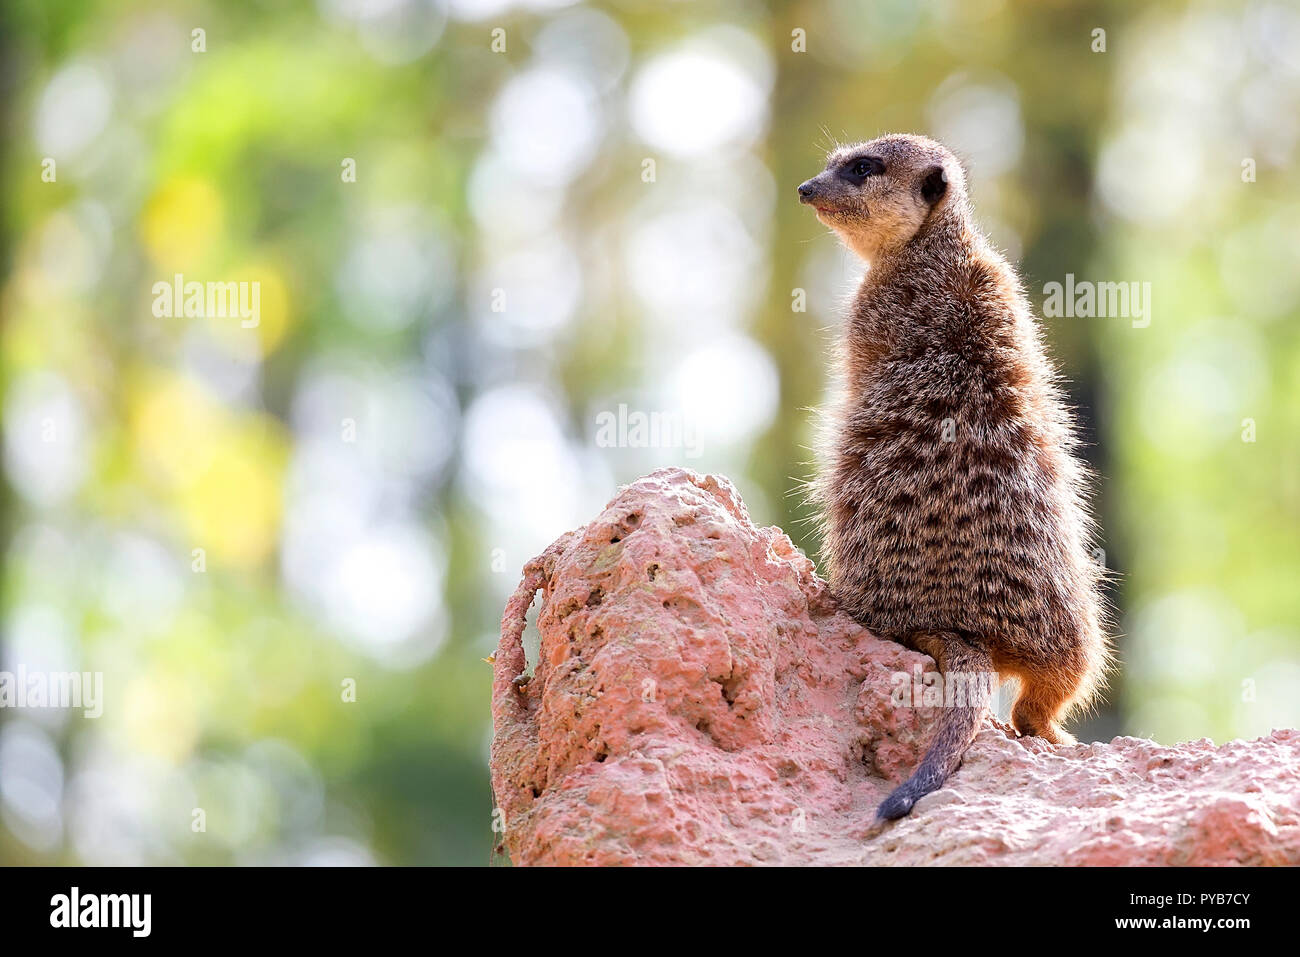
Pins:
x: 506, y: 267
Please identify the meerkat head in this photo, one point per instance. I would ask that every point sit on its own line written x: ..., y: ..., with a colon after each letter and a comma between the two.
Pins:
x: 877, y: 195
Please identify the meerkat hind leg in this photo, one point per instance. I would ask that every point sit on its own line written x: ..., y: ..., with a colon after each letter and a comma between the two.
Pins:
x: 1040, y: 708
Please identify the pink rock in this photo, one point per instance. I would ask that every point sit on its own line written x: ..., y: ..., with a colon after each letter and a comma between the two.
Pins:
x: 698, y: 699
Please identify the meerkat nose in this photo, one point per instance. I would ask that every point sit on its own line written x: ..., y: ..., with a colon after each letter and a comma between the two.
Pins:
x: 807, y: 191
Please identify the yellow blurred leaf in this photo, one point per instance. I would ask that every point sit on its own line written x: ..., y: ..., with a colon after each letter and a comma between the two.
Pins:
x: 181, y: 223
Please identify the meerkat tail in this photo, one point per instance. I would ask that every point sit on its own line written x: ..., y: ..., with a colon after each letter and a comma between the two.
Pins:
x: 969, y: 671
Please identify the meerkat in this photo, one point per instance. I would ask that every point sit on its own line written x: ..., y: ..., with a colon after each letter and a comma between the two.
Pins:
x: 952, y: 499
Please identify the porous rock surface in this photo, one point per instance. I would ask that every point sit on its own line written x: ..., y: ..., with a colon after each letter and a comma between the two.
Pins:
x: 698, y: 699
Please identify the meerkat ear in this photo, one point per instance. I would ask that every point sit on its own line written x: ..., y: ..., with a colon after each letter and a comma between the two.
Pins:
x: 934, y: 183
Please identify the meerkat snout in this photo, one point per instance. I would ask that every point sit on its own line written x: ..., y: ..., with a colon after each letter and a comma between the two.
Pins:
x: 876, y: 196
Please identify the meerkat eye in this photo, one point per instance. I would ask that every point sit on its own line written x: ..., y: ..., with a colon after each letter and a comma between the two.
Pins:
x: 862, y: 168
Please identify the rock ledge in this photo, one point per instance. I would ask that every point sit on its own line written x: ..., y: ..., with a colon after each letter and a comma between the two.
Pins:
x: 698, y: 699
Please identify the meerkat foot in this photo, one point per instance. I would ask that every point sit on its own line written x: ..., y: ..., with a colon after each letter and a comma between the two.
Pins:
x: 1050, y: 732
x: 1040, y: 707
